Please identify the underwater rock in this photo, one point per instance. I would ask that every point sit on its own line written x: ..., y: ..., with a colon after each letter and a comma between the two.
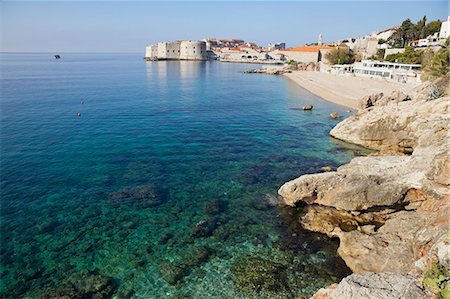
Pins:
x: 165, y: 238
x: 214, y: 207
x: 195, y: 256
x: 94, y: 285
x: 252, y: 274
x: 203, y: 228
x: 259, y: 204
x: 327, y: 168
x: 125, y: 294
x: 88, y: 284
x: 244, y: 220
x: 47, y: 226
x: 272, y: 200
x: 335, y: 115
x: 144, y: 197
x: 265, y: 202
x: 255, y: 174
x: 249, y: 179
x: 171, y: 273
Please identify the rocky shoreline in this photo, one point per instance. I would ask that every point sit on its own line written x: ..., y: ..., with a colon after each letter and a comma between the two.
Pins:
x: 390, y: 210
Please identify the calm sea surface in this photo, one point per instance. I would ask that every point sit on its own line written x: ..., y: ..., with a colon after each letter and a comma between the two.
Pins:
x: 164, y: 187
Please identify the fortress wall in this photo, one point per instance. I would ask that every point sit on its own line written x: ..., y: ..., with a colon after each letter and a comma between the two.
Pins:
x: 304, y: 57
x: 193, y: 50
x: 169, y: 50
x: 151, y: 51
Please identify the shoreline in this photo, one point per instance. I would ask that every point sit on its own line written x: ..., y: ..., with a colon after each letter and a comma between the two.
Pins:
x: 344, y: 90
x: 397, y: 232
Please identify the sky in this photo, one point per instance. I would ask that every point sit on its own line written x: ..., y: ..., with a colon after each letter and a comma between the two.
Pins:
x: 124, y: 26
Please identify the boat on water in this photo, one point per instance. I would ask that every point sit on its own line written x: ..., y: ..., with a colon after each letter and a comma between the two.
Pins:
x: 56, y: 56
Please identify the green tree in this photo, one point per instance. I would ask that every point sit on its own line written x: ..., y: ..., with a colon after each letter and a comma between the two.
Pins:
x: 432, y: 27
x: 439, y: 64
x: 410, y: 55
x: 426, y: 56
x: 340, y: 55
x: 421, y: 26
x: 408, y: 31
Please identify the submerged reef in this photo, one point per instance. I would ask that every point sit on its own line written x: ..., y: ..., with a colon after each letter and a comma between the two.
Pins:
x: 255, y: 274
x: 143, y: 197
x: 86, y: 284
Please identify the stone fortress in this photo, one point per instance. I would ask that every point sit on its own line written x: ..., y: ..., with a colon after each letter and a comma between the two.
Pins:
x: 177, y: 50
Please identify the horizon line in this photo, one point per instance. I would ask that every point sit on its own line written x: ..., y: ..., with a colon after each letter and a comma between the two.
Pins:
x: 67, y: 52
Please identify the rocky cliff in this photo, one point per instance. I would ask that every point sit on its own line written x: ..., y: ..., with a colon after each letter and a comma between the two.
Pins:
x: 391, y: 208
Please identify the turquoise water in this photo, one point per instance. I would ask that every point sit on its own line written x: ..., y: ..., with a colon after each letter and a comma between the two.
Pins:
x: 164, y: 186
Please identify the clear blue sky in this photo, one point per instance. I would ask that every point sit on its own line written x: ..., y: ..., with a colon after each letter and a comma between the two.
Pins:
x: 115, y: 26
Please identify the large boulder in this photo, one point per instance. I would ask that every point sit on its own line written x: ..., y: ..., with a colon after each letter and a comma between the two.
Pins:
x: 379, y: 286
x: 395, y: 97
x: 369, y: 100
x: 364, y: 183
x: 398, y: 127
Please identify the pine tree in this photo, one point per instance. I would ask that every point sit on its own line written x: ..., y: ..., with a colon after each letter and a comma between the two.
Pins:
x: 439, y: 65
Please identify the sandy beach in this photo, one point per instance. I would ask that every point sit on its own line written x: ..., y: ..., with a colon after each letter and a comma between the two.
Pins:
x: 344, y: 90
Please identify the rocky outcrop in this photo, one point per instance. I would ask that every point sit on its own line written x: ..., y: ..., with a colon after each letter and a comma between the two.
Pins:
x: 375, y: 286
x: 397, y: 126
x: 369, y: 100
x: 390, y: 209
x: 268, y: 71
x: 378, y: 99
x: 287, y: 68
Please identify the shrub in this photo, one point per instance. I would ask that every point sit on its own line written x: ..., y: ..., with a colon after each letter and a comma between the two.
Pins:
x: 439, y: 64
x: 435, y: 280
x: 292, y: 62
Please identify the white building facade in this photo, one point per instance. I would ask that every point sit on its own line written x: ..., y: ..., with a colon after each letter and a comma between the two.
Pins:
x: 444, y: 33
x: 400, y: 72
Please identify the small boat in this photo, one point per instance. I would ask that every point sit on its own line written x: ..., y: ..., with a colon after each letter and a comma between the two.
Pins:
x: 56, y: 56
x: 308, y: 107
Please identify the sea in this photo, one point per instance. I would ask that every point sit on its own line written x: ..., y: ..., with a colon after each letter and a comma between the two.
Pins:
x: 122, y: 178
